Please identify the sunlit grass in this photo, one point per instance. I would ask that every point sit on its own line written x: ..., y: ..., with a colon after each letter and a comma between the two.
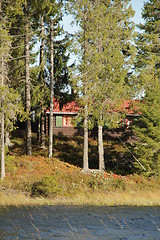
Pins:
x: 140, y: 198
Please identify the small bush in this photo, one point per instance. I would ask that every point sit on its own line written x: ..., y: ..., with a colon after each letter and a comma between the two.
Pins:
x: 118, y: 184
x: 98, y: 182
x: 46, y: 187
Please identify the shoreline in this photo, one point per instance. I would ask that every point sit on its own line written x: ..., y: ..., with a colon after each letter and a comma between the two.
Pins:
x: 119, y: 198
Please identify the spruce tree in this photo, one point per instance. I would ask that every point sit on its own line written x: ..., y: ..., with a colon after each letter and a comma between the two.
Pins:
x: 30, y: 14
x: 148, y: 82
x: 106, y: 34
x: 82, y: 10
x: 4, y: 56
x: 10, y: 105
x: 46, y: 9
x: 21, y: 16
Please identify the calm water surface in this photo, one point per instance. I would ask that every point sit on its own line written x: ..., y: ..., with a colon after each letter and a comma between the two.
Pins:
x: 70, y: 222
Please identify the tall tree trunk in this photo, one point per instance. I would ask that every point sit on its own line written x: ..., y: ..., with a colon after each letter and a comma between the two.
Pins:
x: 50, y: 151
x: 42, y: 128
x: 85, y: 147
x: 39, y: 128
x: 27, y: 91
x: 2, y: 148
x: 2, y: 126
x: 100, y: 148
x: 42, y: 82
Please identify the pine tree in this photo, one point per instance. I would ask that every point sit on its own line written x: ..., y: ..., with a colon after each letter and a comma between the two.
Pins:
x: 4, y: 54
x: 20, y: 22
x: 47, y: 9
x: 111, y: 37
x: 33, y: 15
x: 148, y: 82
x: 109, y: 56
x: 10, y: 105
x: 29, y: 14
x: 82, y: 10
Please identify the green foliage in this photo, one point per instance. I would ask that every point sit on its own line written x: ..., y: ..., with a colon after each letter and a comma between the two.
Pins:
x: 61, y: 58
x: 106, y: 56
x: 108, y: 61
x: 98, y: 181
x: 148, y: 82
x: 11, y: 106
x: 50, y: 186
x: 10, y: 166
x: 16, y: 15
x: 61, y: 72
x: 148, y: 132
x: 10, y: 100
x: 46, y: 187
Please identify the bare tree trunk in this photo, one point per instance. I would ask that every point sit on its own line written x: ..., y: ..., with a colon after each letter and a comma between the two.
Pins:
x: 2, y: 128
x: 85, y: 147
x: 39, y: 129
x: 42, y: 81
x: 50, y: 151
x: 42, y: 129
x: 2, y: 148
x: 100, y: 128
x: 100, y: 148
x: 27, y: 92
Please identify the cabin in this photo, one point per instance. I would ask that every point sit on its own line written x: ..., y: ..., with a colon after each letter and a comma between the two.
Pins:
x: 63, y: 118
x: 131, y: 110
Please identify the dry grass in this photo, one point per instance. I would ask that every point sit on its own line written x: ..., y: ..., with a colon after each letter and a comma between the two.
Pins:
x: 99, y: 199
x: 117, y: 199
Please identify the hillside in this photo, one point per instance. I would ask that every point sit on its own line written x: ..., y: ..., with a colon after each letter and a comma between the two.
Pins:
x: 40, y: 180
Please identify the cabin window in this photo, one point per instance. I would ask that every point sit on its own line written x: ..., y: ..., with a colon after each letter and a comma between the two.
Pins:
x: 64, y: 121
x: 58, y: 121
x: 67, y: 121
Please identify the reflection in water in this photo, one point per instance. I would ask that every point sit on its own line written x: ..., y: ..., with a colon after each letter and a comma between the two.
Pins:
x: 73, y: 222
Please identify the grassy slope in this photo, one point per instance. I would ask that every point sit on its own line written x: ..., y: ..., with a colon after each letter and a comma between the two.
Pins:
x: 62, y: 181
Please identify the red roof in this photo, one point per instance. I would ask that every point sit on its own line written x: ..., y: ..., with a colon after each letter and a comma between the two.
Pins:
x: 127, y: 106
x: 69, y: 108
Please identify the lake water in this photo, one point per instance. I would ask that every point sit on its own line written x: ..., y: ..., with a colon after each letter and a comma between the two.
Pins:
x: 73, y: 222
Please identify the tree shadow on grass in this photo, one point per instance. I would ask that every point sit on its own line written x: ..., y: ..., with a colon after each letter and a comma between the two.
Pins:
x: 119, y: 159
x: 70, y: 150
x: 18, y: 143
x: 18, y: 147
